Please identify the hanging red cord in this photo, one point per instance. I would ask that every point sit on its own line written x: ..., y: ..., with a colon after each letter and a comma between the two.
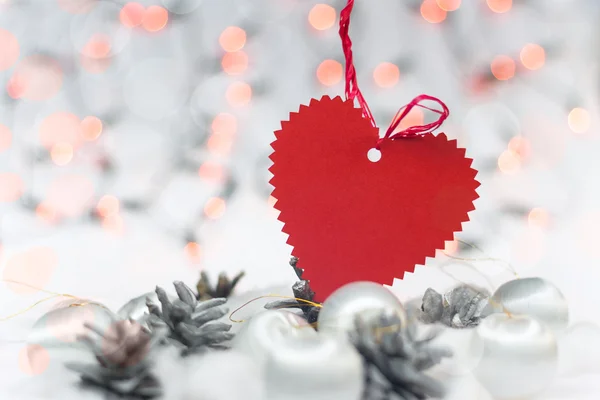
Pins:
x: 353, y: 92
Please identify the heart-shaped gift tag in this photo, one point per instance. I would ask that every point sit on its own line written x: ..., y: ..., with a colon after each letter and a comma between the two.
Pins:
x: 350, y: 219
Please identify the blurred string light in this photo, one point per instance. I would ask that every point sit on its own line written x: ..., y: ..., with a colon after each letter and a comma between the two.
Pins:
x: 386, y: 75
x: 238, y: 94
x: 432, y: 12
x: 5, y: 138
x: 11, y: 187
x: 499, y: 6
x: 503, y: 67
x: 132, y: 14
x: 36, y: 77
x: 61, y: 153
x: 449, y: 5
x: 329, y: 72
x: 235, y: 63
x: 9, y: 50
x: 192, y: 251
x: 509, y: 162
x: 533, y: 56
x: 579, y: 120
x: 107, y: 205
x: 214, y: 208
x: 77, y: 6
x: 538, y: 218
x: 91, y: 128
x: 155, y: 18
x: 322, y: 17
x: 233, y: 38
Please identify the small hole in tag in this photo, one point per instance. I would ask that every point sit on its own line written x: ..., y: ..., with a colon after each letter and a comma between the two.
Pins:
x: 374, y: 155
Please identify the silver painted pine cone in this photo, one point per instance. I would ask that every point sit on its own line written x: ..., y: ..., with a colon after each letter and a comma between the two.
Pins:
x: 189, y: 322
x: 395, y: 359
x: 124, y: 355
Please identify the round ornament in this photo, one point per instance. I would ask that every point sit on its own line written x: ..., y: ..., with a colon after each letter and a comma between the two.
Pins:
x: 258, y: 335
x: 534, y: 297
x: 57, y: 332
x: 290, y: 351
x: 519, y: 356
x: 365, y: 299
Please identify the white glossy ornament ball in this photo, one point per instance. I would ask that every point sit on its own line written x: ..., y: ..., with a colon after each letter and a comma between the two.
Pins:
x: 534, y: 297
x: 520, y: 356
x: 367, y: 299
x: 299, y: 363
x: 258, y: 335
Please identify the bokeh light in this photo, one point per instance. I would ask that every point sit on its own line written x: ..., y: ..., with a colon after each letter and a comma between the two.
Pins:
x: 224, y: 123
x: 219, y: 144
x: 503, y: 67
x: 386, y: 75
x: 61, y: 153
x: 15, y: 87
x: 9, y: 49
x: 235, y: 63
x: 538, y: 218
x: 70, y: 195
x: 11, y: 187
x: 413, y: 118
x: 499, y: 6
x: 329, y: 72
x: 114, y: 224
x: 322, y: 17
x: 37, y: 78
x: 5, y: 138
x: 238, y: 94
x: 108, y: 205
x: 432, y: 12
x: 509, y: 162
x: 132, y: 14
x: 579, y: 120
x: 91, y: 128
x: 451, y: 247
x: 214, y: 208
x: 155, y: 18
x: 46, y: 213
x: 97, y: 47
x: 233, y: 38
x: 212, y: 172
x: 192, y: 252
x: 519, y: 146
x: 449, y: 5
x: 34, y: 359
x: 33, y: 267
x: 533, y: 56
x: 60, y: 127
x: 77, y: 6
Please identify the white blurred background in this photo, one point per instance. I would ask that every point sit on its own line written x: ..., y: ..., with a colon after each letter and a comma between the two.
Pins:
x: 134, y: 136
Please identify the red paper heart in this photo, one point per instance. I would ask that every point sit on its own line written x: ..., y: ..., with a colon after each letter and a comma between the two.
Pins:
x: 350, y: 219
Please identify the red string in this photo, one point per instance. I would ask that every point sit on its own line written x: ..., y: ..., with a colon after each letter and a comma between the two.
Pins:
x: 353, y: 92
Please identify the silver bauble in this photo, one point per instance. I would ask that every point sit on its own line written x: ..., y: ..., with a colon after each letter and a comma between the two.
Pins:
x: 519, y: 356
x: 290, y: 351
x: 367, y: 299
x: 58, y: 330
x: 535, y: 297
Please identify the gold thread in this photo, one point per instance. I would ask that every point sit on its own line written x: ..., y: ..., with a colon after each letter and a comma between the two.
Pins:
x: 53, y: 295
x: 312, y: 303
